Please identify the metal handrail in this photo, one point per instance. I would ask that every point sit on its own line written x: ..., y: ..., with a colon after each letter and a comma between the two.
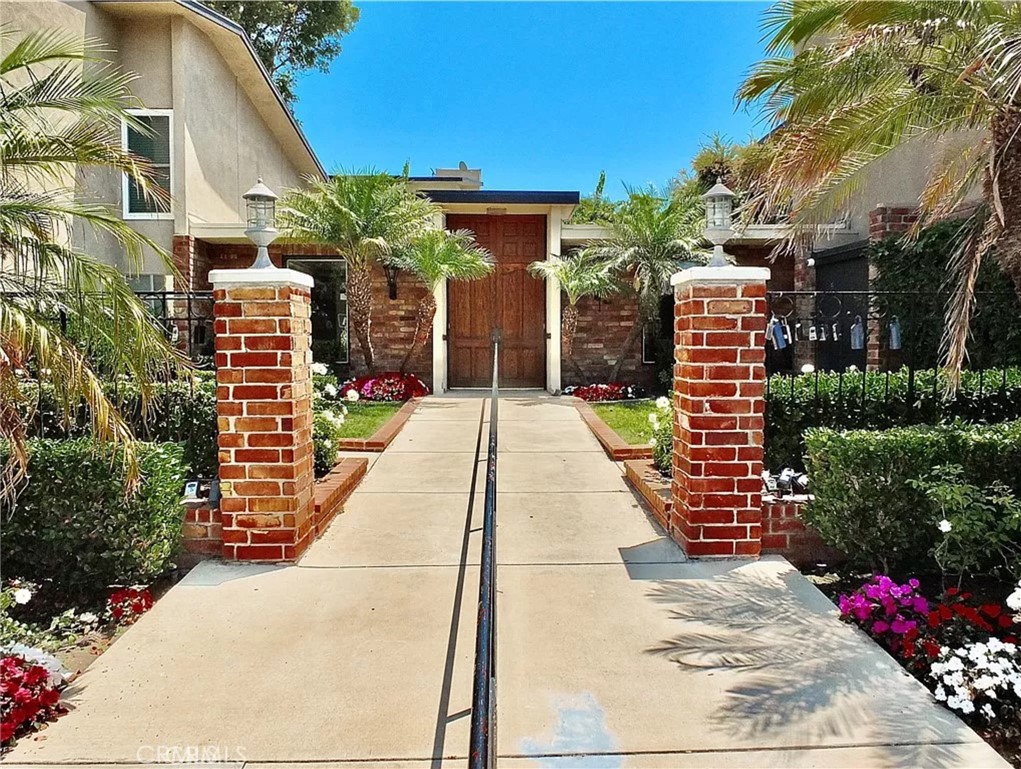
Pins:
x: 483, y: 721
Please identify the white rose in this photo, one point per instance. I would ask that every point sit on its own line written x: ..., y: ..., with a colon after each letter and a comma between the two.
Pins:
x: 351, y: 395
x: 22, y: 595
x: 319, y: 368
x: 1014, y: 599
x: 330, y: 390
x: 945, y: 526
x: 662, y: 402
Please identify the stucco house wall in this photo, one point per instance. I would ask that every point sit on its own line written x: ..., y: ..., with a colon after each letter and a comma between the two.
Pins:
x: 221, y: 140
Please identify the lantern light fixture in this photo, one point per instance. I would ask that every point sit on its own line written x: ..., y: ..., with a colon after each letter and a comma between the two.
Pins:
x: 719, y: 220
x: 260, y: 207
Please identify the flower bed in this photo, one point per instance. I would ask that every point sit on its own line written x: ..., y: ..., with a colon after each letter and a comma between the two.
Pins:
x: 42, y: 644
x: 390, y: 386
x: 614, y: 391
x: 965, y: 650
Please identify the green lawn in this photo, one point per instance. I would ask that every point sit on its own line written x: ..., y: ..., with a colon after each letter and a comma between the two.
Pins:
x: 363, y: 419
x: 629, y: 420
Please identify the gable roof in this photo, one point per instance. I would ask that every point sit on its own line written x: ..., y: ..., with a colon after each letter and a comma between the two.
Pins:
x: 233, y: 43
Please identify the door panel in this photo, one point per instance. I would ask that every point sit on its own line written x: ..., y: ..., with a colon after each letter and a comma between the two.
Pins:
x: 509, y: 299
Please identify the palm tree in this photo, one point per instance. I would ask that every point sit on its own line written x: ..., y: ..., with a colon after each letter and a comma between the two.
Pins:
x: 579, y: 276
x: 847, y: 82
x: 651, y: 237
x: 364, y: 216
x: 434, y: 257
x: 65, y: 317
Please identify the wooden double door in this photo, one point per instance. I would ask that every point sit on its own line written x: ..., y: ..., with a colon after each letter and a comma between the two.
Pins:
x: 510, y: 299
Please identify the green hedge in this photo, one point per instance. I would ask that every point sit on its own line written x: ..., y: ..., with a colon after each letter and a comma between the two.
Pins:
x: 181, y: 412
x: 795, y: 404
x: 867, y: 502
x: 74, y: 523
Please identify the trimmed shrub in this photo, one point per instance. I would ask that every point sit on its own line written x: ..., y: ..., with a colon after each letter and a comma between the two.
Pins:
x: 75, y: 523
x: 876, y: 400
x: 181, y: 411
x: 867, y: 499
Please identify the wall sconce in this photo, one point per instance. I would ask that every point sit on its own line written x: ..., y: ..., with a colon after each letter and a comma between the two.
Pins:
x: 391, y: 271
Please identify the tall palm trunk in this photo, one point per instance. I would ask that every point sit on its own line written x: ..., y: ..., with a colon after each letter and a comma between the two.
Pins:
x: 1006, y: 134
x: 359, y: 302
x: 423, y: 328
x: 568, y: 332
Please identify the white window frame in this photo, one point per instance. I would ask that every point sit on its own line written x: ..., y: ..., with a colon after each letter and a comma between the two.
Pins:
x: 126, y: 182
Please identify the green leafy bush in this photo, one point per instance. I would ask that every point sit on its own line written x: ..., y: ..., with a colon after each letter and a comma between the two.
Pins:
x: 663, y: 436
x: 75, y: 523
x: 867, y: 502
x: 182, y: 411
x: 327, y: 430
x: 876, y: 400
x: 980, y: 526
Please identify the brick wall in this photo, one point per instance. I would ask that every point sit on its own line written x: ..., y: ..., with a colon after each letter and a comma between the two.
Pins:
x: 201, y: 532
x: 602, y: 327
x: 192, y: 260
x: 784, y: 533
x: 393, y: 320
x: 264, y: 415
x: 887, y: 220
x: 719, y: 378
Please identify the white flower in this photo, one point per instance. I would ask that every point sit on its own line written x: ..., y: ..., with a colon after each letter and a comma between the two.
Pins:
x: 351, y: 395
x: 22, y: 595
x: 1014, y: 599
x: 988, y: 712
x: 945, y: 526
x: 808, y: 368
x: 319, y: 368
x: 653, y: 419
x: 330, y: 390
x: 88, y: 618
x: 662, y: 402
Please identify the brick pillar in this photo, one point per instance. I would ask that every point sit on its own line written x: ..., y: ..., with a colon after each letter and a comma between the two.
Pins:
x: 264, y: 409
x: 883, y: 222
x: 719, y: 378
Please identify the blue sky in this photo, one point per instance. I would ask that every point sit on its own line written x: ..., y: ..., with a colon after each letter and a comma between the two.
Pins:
x: 540, y: 95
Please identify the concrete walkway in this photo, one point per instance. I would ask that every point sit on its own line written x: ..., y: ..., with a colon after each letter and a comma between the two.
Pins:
x: 613, y: 652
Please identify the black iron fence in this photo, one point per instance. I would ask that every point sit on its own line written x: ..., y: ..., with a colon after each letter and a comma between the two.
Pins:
x: 187, y: 320
x: 860, y: 359
x: 883, y: 330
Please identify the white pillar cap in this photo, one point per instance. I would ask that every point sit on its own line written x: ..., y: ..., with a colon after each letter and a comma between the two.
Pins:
x: 729, y: 274
x: 266, y: 276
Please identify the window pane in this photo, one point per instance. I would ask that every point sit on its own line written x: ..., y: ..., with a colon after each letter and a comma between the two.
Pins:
x: 329, y: 308
x: 154, y: 145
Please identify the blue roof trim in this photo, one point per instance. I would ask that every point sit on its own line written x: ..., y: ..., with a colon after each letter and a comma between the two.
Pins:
x: 540, y: 197
x: 233, y: 26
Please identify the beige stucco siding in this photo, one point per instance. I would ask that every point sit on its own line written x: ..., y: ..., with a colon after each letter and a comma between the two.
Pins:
x: 221, y: 143
x: 226, y: 144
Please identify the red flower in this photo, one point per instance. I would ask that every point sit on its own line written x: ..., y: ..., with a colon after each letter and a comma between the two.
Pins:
x: 952, y: 591
x: 991, y: 610
x: 930, y: 647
